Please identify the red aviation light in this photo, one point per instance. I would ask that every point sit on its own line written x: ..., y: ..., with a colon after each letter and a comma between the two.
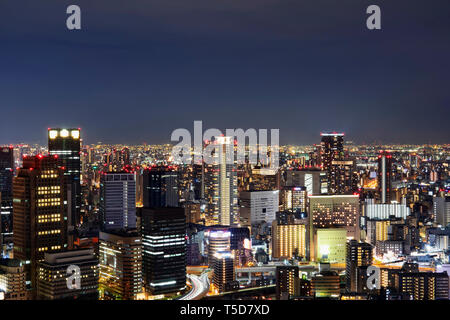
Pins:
x: 40, y: 156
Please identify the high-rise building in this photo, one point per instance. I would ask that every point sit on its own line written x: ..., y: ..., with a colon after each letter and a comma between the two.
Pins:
x: 164, y: 257
x: 120, y: 261
x: 441, y: 210
x: 385, y: 177
x: 288, y: 239
x: 330, y: 245
x: 117, y: 201
x: 285, y: 281
x: 39, y: 211
x: 259, y: 179
x: 218, y: 240
x: 314, y: 180
x: 65, y: 143
x: 424, y: 285
x: 359, y: 257
x: 342, y: 177
x: 221, y: 186
x: 13, y: 279
x: 385, y: 211
x: 295, y: 199
x: 53, y: 282
x: 332, y: 147
x: 335, y: 211
x: 6, y: 199
x: 377, y: 230
x: 258, y: 206
x: 224, y: 274
x: 193, y: 212
x: 160, y: 187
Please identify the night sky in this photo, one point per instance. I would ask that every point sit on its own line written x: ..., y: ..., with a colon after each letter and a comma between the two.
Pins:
x: 140, y: 69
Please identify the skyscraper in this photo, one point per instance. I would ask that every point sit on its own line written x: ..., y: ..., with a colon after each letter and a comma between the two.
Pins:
x: 160, y: 187
x: 288, y: 239
x: 286, y: 280
x: 6, y: 200
x: 333, y: 211
x: 53, y: 276
x: 358, y: 258
x: 224, y: 275
x: 221, y: 186
x: 65, y: 143
x: 441, y: 210
x: 164, y: 257
x: 385, y: 177
x: 120, y: 258
x: 343, y: 178
x: 258, y: 206
x: 218, y: 240
x: 40, y: 211
x: 294, y: 199
x: 332, y: 147
x: 117, y: 201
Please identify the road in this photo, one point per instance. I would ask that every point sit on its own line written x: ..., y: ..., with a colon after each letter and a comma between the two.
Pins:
x: 200, y: 287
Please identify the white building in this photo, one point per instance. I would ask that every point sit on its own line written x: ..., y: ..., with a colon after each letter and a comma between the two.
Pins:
x: 441, y: 210
x: 258, y: 206
x: 382, y: 211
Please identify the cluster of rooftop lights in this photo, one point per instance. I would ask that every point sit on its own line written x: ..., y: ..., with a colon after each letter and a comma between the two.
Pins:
x: 63, y: 133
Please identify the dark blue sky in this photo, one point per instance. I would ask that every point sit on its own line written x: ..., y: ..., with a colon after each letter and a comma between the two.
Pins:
x: 140, y: 69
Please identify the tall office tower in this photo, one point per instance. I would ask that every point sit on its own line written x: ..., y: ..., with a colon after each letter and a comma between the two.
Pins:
x: 385, y: 177
x: 288, y: 239
x: 258, y: 206
x: 164, y: 258
x: 218, y: 240
x: 326, y: 285
x: 221, y: 186
x: 441, y: 210
x: 332, y: 147
x: 39, y: 212
x: 53, y: 282
x: 285, y: 281
x: 6, y: 200
x: 359, y: 257
x: 343, y: 177
x: 117, y: 201
x: 65, y: 143
x: 120, y: 264
x: 294, y: 199
x: 224, y: 274
x: 160, y: 187
x: 424, y: 285
x: 335, y: 211
x: 13, y: 279
x: 315, y: 180
x: 385, y: 211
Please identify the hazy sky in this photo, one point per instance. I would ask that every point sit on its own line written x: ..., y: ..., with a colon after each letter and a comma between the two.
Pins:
x: 140, y: 69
